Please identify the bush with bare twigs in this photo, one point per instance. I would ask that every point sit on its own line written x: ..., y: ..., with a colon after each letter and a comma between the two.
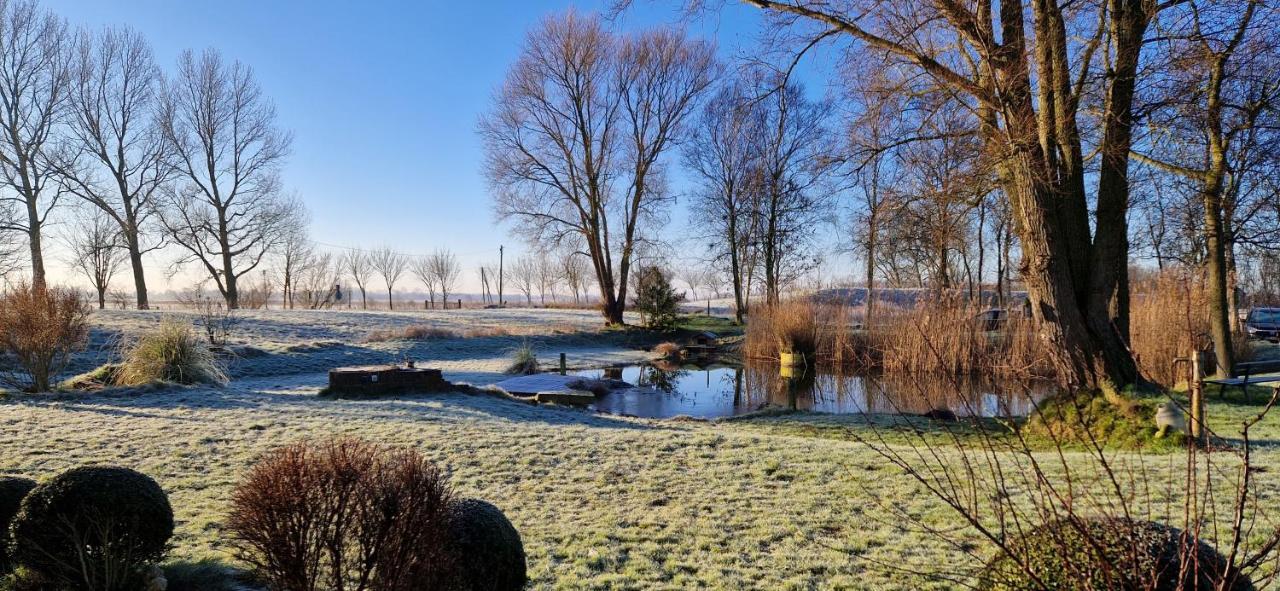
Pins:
x: 1060, y: 511
x: 344, y: 514
x: 40, y: 328
x: 416, y: 332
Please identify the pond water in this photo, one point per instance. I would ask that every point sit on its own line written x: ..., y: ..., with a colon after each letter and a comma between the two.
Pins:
x: 722, y: 390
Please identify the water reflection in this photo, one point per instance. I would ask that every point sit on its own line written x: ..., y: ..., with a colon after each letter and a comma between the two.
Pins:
x: 717, y: 391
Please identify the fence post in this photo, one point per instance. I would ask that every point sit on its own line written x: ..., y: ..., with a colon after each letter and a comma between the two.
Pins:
x: 1196, y: 388
x: 563, y: 365
x: 459, y: 303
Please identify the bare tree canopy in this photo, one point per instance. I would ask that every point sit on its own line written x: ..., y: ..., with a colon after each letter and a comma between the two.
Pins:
x: 445, y: 270
x: 96, y: 251
x: 226, y: 211
x: 116, y: 157
x: 391, y: 265
x: 575, y: 139
x: 34, y: 82
x: 358, y: 265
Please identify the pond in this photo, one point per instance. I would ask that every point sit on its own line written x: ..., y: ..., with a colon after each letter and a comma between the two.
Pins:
x: 723, y: 390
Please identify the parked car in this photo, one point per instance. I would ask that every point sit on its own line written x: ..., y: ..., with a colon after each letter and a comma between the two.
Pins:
x: 1263, y: 323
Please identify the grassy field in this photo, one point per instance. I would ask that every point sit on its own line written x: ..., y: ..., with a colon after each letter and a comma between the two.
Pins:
x: 790, y: 501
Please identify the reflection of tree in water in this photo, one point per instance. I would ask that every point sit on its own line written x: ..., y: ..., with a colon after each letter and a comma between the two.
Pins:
x: 834, y: 391
x: 661, y: 377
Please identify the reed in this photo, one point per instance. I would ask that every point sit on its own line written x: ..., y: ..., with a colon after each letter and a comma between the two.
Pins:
x: 938, y: 336
x: 1168, y: 316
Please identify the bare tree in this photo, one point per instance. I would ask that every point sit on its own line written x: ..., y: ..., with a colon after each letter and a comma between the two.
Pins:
x: 120, y: 159
x: 422, y: 269
x: 1027, y: 72
x: 296, y: 250
x: 575, y: 269
x: 226, y: 213
x: 548, y: 276
x: 575, y: 139
x: 315, y: 283
x: 524, y: 273
x: 445, y: 270
x: 359, y: 266
x: 1209, y: 118
x: 34, y: 82
x: 96, y: 251
x: 391, y: 265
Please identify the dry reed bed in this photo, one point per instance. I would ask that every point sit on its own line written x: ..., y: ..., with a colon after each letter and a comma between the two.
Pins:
x: 936, y: 337
x: 1169, y: 314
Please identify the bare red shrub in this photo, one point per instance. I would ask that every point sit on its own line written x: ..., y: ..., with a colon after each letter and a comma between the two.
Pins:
x: 39, y: 330
x: 344, y: 514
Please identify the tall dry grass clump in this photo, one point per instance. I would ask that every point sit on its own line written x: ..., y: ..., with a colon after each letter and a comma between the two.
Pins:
x: 173, y: 352
x: 40, y: 328
x: 1168, y: 316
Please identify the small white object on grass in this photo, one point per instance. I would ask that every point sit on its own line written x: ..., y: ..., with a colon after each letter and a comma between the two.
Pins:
x: 1168, y: 417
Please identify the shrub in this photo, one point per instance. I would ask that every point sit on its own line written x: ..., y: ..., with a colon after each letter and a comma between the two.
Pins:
x: 40, y: 328
x: 416, y: 332
x: 656, y: 300
x: 668, y: 350
x: 524, y: 360
x: 486, y: 548
x: 171, y: 353
x: 1110, y: 553
x: 12, y: 491
x: 95, y: 528
x: 328, y: 515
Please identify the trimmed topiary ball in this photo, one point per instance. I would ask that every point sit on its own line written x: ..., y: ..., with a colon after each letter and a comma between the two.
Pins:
x: 95, y: 527
x: 12, y: 490
x: 486, y: 550
x: 1109, y: 553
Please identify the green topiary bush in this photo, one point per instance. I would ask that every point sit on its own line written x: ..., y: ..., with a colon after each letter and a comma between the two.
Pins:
x: 95, y: 528
x: 1109, y: 553
x: 487, y: 552
x: 12, y: 491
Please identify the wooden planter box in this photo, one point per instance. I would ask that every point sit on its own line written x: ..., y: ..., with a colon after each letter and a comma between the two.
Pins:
x: 380, y: 380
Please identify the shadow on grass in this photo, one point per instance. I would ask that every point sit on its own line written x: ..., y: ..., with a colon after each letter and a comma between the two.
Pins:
x: 182, y: 403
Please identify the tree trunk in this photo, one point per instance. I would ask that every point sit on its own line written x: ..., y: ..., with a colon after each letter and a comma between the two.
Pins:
x: 37, y: 253
x: 1219, y: 307
x: 139, y: 273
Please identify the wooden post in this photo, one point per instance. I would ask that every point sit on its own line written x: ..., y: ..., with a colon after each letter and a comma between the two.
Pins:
x: 459, y: 303
x: 563, y: 365
x: 1196, y: 388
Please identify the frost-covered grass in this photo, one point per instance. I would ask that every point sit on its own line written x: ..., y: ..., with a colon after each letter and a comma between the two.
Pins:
x: 774, y: 502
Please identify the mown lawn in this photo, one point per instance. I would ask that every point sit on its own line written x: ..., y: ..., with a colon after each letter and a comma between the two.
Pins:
x: 774, y: 502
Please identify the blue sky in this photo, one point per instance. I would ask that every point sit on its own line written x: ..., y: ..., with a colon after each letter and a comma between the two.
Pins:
x: 382, y: 97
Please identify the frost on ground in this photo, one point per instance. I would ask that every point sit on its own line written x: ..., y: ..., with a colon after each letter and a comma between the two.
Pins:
x: 601, y: 502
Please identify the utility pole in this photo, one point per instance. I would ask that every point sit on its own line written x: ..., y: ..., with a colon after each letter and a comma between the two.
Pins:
x: 500, y: 302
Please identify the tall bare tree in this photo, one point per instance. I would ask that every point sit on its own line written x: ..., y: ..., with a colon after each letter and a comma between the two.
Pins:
x: 524, y: 273
x: 1028, y: 72
x: 95, y: 250
x: 575, y: 140
x: 119, y: 159
x: 358, y: 265
x: 421, y: 267
x: 1209, y: 117
x: 445, y: 270
x: 35, y: 52
x: 296, y: 250
x: 226, y: 212
x: 723, y: 152
x: 391, y: 265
